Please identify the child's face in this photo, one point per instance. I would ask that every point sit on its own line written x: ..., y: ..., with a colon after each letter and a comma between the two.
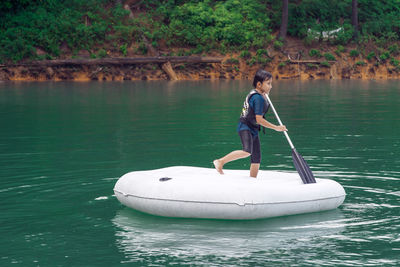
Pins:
x: 266, y: 86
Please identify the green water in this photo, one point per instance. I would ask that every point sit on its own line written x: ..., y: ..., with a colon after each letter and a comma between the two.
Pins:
x: 64, y: 145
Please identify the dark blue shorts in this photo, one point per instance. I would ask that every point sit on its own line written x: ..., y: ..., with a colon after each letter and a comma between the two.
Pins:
x: 251, y: 144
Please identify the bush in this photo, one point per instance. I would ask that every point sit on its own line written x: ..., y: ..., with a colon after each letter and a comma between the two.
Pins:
x: 308, y: 41
x: 371, y: 55
x: 261, y: 52
x: 315, y: 53
x: 344, y: 36
x: 384, y: 56
x: 263, y: 60
x: 325, y: 64
x: 102, y: 53
x: 278, y: 45
x: 245, y: 54
x: 394, y: 50
x: 198, y: 49
x: 311, y: 66
x: 329, y: 57
x: 232, y: 60
x: 123, y: 49
x: 354, y: 53
x: 142, y: 49
x: 360, y: 63
x: 340, y: 49
x: 394, y: 62
x: 252, y: 61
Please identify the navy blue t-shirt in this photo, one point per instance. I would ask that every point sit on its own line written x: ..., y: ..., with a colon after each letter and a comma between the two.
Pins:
x: 257, y: 103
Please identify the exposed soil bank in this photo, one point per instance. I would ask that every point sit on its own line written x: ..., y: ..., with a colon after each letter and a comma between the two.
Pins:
x: 341, y: 69
x: 281, y: 63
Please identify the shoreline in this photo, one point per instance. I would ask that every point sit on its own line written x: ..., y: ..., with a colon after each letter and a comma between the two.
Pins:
x: 192, y: 73
x: 232, y: 67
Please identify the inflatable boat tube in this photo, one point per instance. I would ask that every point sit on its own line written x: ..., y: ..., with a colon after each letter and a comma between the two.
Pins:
x: 194, y: 192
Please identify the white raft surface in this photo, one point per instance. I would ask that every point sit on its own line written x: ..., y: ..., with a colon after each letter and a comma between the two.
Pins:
x: 194, y: 192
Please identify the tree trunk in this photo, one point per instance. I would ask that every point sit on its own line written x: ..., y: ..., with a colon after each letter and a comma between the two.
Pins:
x: 284, y: 23
x: 354, y: 18
x: 167, y: 67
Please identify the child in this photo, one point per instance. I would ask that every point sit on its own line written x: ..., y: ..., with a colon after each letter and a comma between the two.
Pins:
x: 254, y: 108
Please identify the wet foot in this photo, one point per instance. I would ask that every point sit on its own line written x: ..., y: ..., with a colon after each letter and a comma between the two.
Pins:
x: 218, y: 166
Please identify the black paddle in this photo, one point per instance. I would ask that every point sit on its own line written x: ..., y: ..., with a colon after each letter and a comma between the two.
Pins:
x: 301, y: 166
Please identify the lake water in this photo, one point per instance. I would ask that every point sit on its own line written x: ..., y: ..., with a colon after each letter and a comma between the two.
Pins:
x: 63, y: 145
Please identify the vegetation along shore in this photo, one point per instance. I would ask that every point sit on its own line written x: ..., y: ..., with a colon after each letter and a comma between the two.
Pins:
x: 198, y: 39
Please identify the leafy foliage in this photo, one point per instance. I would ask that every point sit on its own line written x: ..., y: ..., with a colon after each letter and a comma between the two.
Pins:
x: 371, y: 55
x: 354, y: 53
x: 329, y: 57
x: 394, y: 62
x: 54, y: 26
x: 315, y: 53
x: 230, y: 23
x: 380, y: 19
x: 245, y: 54
x: 384, y: 56
x: 42, y: 25
x: 339, y: 50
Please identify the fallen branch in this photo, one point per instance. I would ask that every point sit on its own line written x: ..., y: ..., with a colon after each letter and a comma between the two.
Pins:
x: 308, y: 61
x: 118, y: 61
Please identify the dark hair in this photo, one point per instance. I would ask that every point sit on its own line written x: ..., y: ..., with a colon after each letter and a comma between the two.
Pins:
x: 261, y: 76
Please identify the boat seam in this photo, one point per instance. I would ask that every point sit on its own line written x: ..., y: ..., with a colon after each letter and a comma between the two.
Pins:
x: 213, y: 202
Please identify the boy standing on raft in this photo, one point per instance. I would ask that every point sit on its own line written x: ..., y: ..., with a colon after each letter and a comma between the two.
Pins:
x: 254, y: 108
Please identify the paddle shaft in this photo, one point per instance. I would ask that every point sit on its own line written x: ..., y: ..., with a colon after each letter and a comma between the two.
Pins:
x: 280, y: 123
x: 301, y: 166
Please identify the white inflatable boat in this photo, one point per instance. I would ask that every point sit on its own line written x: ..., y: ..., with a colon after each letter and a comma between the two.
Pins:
x: 193, y: 192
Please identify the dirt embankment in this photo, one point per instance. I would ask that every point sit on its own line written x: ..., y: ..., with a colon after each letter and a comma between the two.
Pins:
x: 292, y: 61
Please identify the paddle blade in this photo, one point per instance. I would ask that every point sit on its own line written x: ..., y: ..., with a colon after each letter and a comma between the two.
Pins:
x: 302, y: 168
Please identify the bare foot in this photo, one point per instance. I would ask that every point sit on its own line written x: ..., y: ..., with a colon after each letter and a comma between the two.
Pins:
x: 218, y: 166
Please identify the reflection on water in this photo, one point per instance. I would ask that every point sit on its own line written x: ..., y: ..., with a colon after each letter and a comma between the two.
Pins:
x: 140, y: 235
x: 362, y: 232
